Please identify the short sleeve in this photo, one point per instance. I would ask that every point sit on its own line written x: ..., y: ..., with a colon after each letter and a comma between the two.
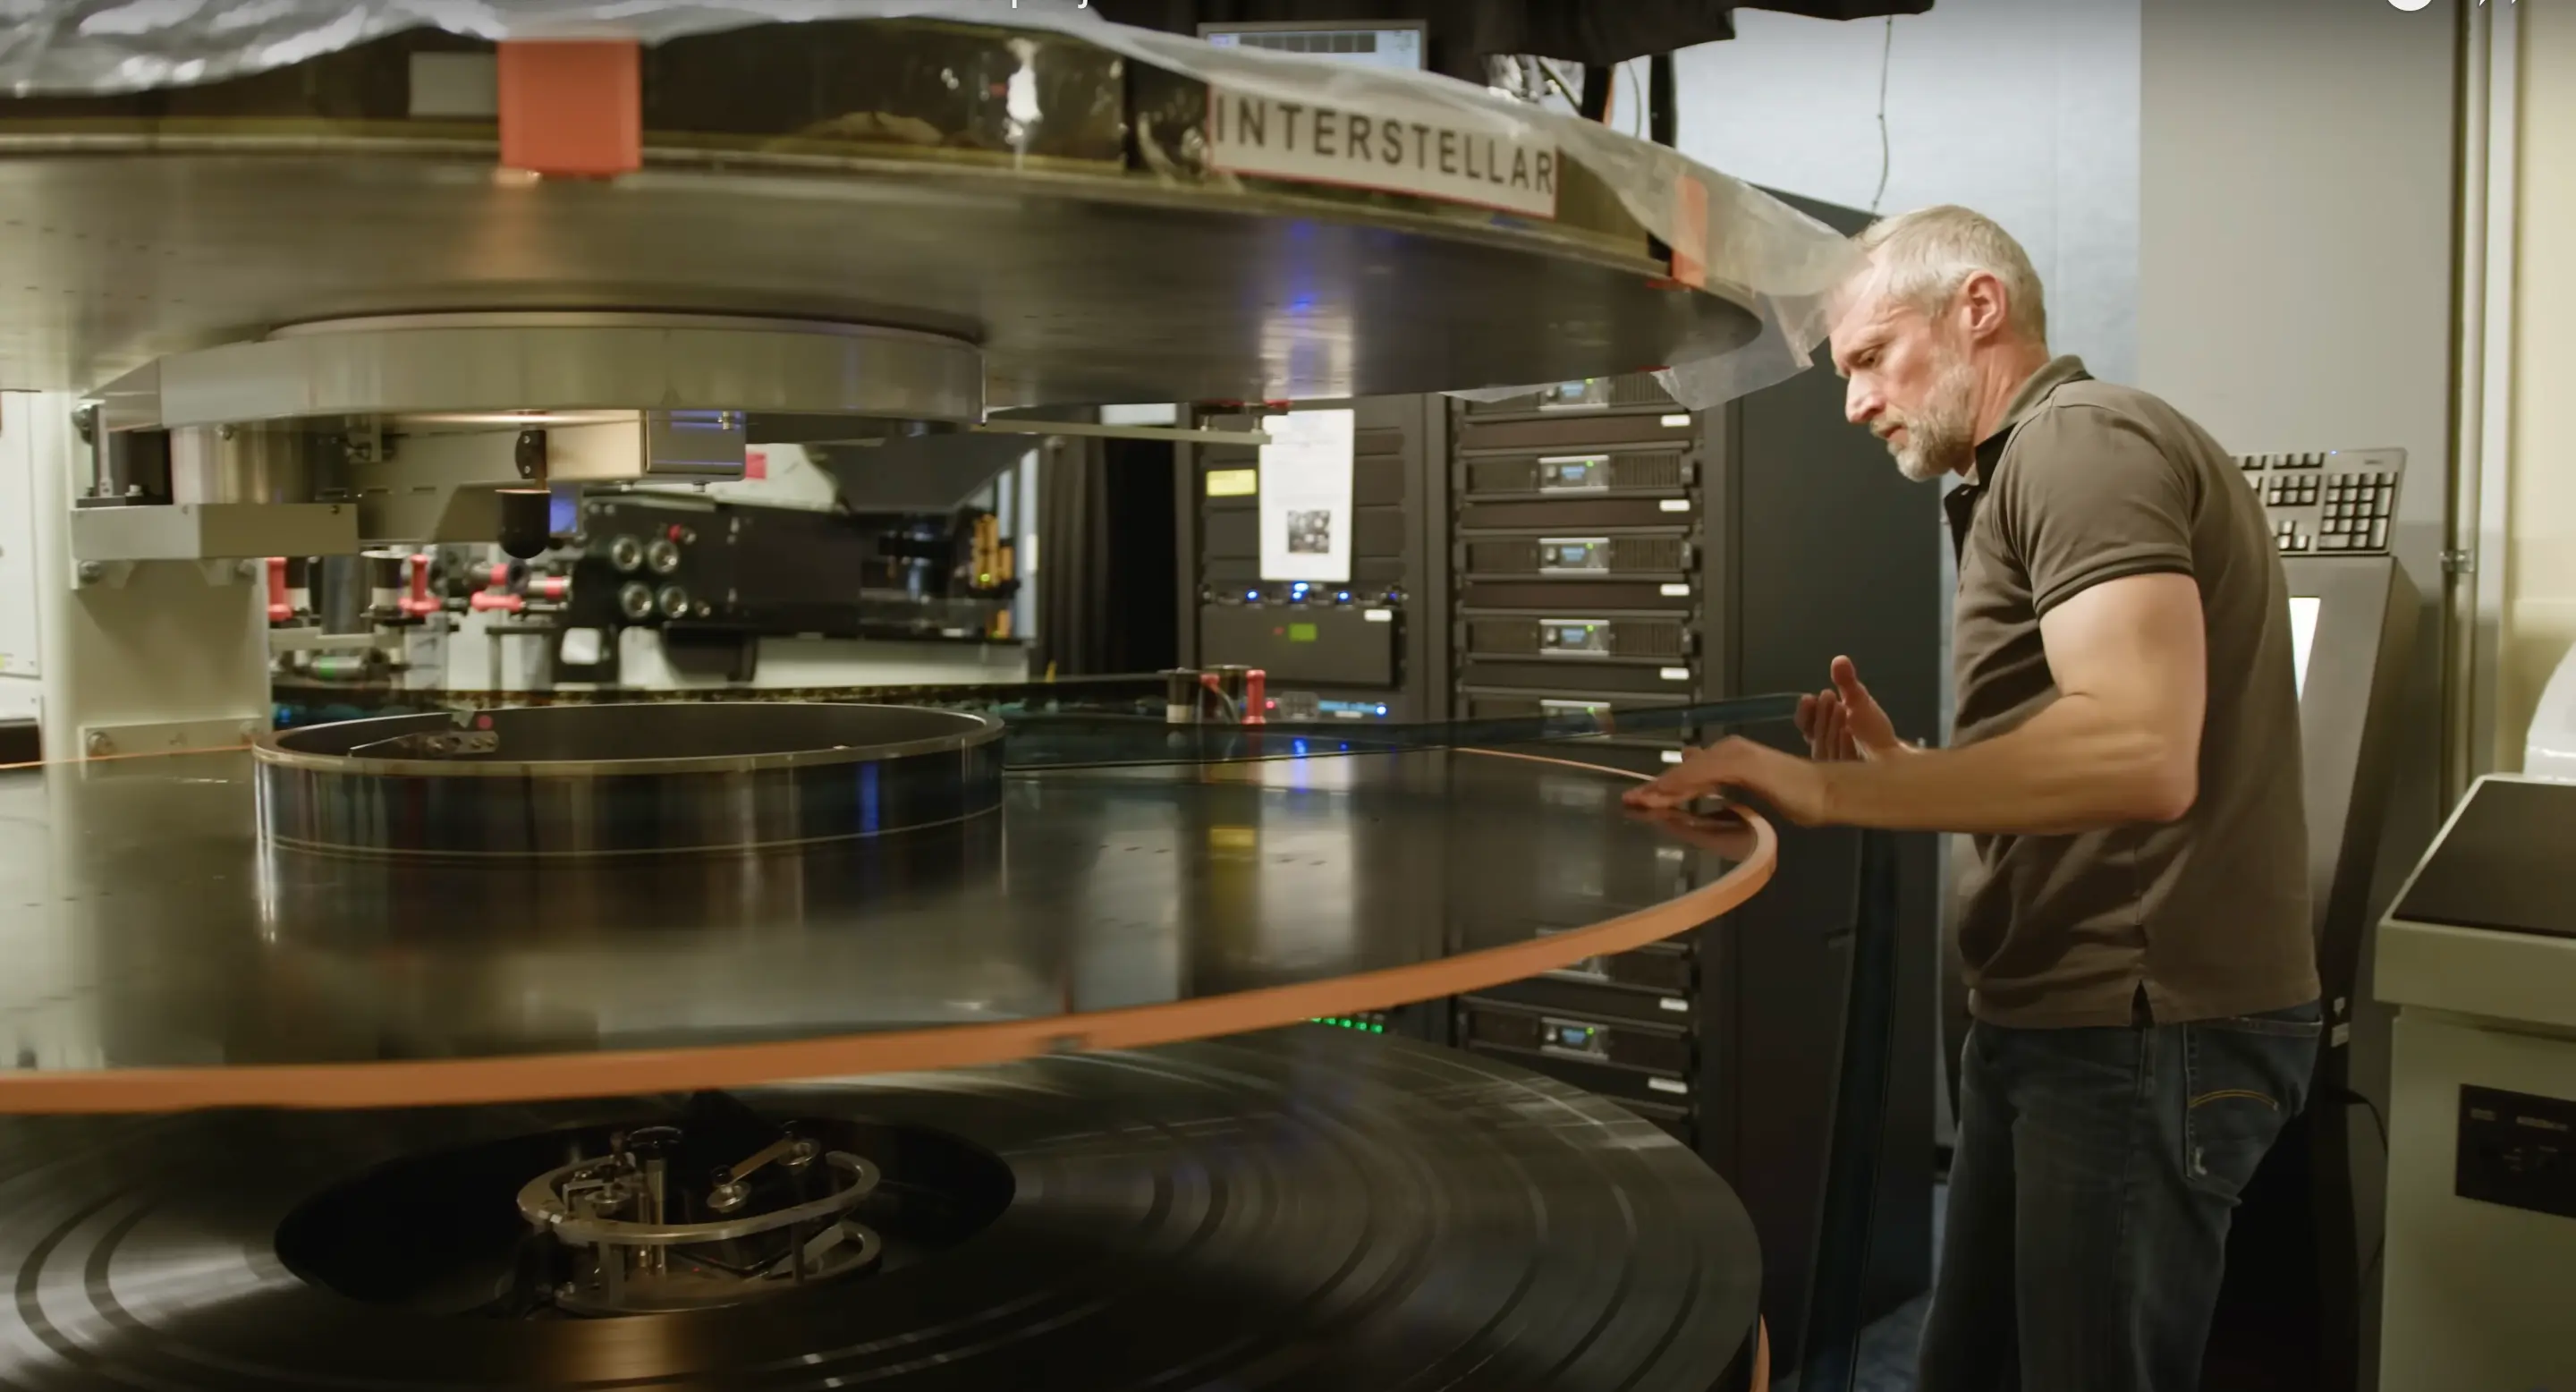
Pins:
x: 2086, y: 497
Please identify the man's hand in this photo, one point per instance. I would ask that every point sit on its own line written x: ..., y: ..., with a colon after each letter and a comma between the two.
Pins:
x: 1724, y: 832
x: 1841, y: 724
x: 1791, y: 786
x: 1845, y: 722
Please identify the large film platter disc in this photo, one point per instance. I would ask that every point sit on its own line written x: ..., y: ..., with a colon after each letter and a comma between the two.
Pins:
x: 1303, y: 1210
x: 880, y: 172
x: 163, y: 959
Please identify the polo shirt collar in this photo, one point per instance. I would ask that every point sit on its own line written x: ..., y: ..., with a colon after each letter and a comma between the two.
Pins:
x: 2034, y: 391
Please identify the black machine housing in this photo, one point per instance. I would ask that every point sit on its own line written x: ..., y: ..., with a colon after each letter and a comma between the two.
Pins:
x: 1463, y: 34
x: 745, y: 571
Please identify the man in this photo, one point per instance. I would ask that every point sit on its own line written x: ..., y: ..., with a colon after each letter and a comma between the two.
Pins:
x: 2126, y: 756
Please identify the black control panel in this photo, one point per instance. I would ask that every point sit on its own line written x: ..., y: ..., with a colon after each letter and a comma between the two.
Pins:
x: 715, y: 576
x: 2518, y: 1150
x: 1349, y: 648
x: 1330, y: 644
x: 2328, y: 502
x: 1649, y: 1065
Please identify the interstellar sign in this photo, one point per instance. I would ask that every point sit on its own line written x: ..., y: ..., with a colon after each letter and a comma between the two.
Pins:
x: 1419, y: 150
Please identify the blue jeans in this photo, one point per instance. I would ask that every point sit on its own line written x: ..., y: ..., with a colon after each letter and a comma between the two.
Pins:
x: 2090, y: 1192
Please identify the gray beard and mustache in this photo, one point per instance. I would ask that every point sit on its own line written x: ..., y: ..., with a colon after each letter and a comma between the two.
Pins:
x: 1938, y: 438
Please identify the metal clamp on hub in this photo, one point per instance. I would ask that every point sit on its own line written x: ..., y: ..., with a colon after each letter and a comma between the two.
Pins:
x: 647, y: 1238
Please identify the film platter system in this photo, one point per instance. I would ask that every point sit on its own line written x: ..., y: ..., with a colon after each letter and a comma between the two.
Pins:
x: 709, y: 1043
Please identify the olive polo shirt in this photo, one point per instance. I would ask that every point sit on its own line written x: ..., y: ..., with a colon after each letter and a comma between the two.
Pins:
x: 2087, y: 482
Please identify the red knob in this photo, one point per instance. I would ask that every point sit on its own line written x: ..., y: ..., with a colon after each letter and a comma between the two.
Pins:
x: 418, y: 603
x: 279, y: 610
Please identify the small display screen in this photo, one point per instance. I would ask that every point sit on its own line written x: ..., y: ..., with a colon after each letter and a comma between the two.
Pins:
x: 1573, y: 637
x: 1389, y: 46
x: 1573, y: 555
x: 2303, y: 635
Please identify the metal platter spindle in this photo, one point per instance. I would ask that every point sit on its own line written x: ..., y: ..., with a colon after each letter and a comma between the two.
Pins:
x: 652, y: 1226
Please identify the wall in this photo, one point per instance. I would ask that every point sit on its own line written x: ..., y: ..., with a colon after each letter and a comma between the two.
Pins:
x: 2026, y: 110
x: 2295, y: 292
x: 2540, y: 585
x: 21, y: 633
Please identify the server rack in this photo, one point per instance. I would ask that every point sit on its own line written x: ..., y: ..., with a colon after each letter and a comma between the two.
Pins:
x: 1614, y: 550
x: 1577, y: 544
x: 1374, y: 649
x: 1597, y: 545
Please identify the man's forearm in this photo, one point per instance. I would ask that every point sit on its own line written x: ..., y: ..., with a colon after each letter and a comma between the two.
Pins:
x: 2073, y: 767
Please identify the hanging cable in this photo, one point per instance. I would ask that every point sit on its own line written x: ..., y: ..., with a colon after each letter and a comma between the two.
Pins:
x: 1595, y: 105
x: 1663, y: 106
x: 2352, y: 1098
x: 1886, y: 49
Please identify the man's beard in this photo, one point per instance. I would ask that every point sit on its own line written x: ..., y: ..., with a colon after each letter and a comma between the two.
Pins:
x: 1937, y: 438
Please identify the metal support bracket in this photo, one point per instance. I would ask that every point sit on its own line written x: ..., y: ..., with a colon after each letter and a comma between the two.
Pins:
x: 169, y: 736
x: 113, y: 574
x: 201, y: 531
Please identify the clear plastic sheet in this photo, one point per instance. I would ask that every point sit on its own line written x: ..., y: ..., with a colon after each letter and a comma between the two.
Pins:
x: 1783, y: 262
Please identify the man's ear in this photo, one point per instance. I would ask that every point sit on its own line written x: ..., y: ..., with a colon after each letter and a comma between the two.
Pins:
x: 1983, y: 305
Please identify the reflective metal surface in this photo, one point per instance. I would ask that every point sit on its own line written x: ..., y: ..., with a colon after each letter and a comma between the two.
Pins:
x: 1078, y: 290
x: 440, y: 366
x: 159, y: 959
x: 1309, y: 1210
x: 625, y: 779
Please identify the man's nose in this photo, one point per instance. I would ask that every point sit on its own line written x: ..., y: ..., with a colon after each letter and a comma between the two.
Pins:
x: 1861, y: 405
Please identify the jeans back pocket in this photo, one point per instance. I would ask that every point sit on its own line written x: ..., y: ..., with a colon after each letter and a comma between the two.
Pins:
x: 2243, y: 1079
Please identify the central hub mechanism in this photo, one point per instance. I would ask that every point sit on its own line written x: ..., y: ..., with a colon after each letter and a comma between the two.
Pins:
x: 652, y: 1229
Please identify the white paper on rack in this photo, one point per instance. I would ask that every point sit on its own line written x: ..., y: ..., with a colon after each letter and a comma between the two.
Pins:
x: 1306, y: 496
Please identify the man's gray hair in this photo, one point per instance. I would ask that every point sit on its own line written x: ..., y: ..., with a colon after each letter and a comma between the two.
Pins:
x: 1929, y: 253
